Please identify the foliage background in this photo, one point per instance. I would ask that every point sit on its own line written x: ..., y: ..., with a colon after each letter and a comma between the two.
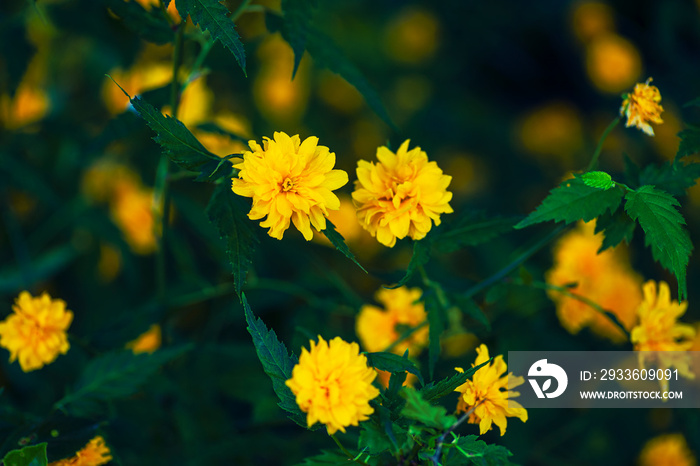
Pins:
x: 464, y: 80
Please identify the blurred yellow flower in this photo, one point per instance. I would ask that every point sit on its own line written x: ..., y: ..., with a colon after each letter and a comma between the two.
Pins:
x: 147, y: 342
x: 110, y: 262
x: 132, y: 211
x: 552, y: 131
x: 489, y: 394
x: 140, y: 78
x: 289, y: 180
x: 95, y: 453
x: 667, y: 450
x: 413, y: 36
x: 658, y: 330
x: 384, y: 376
x: 333, y: 384
x: 222, y: 144
x: 195, y: 103
x: 378, y: 328
x: 346, y: 223
x: 401, y: 195
x: 36, y: 332
x: 591, y: 19
x: 29, y: 105
x: 458, y: 343
x: 613, y: 63
x: 642, y: 107
x: 606, y: 279
x: 155, y: 4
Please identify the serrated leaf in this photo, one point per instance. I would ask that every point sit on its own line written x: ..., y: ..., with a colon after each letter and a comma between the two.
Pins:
x: 338, y: 241
x: 297, y: 21
x: 212, y: 16
x: 673, y: 178
x: 327, y: 55
x: 573, y: 200
x: 176, y: 140
x: 655, y: 210
x: 471, y: 232
x: 598, y: 180
x: 470, y: 450
x: 393, y: 363
x: 690, y: 143
x: 326, y: 458
x: 149, y: 25
x: 276, y: 361
x: 34, y: 455
x: 437, y: 319
x: 433, y: 391
x: 616, y: 228
x: 114, y: 375
x: 420, y: 257
x: 374, y: 439
x: 423, y: 411
x: 227, y: 212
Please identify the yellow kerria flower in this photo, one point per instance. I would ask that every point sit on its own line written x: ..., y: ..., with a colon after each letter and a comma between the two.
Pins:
x: 289, y: 180
x: 642, y: 107
x: 132, y: 211
x: 36, y: 332
x: 488, y: 393
x: 333, y: 384
x: 606, y: 279
x: 95, y: 453
x: 147, y: 342
x: 658, y: 330
x: 401, y: 195
x: 667, y: 450
x: 378, y: 328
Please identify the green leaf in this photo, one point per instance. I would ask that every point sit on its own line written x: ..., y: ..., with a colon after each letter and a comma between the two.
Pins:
x: 114, y: 375
x: 338, y: 241
x: 467, y: 305
x: 277, y: 363
x: 673, y: 178
x: 420, y: 257
x: 598, y: 180
x: 690, y: 143
x: 150, y: 25
x: 298, y: 15
x: 327, y: 55
x: 616, y: 228
x: 172, y: 135
x: 433, y: 391
x: 574, y: 200
x: 227, y: 212
x: 437, y: 318
x: 393, y: 363
x: 375, y: 440
x: 212, y: 16
x: 670, y: 243
x: 215, y: 169
x: 34, y: 455
x: 326, y: 458
x: 421, y: 410
x: 470, y: 450
x: 470, y: 231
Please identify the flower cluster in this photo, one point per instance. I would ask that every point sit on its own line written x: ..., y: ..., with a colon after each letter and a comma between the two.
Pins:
x: 488, y: 394
x: 333, y: 384
x: 35, y: 334
x: 379, y: 328
x: 95, y: 453
x: 642, y: 107
x: 289, y: 180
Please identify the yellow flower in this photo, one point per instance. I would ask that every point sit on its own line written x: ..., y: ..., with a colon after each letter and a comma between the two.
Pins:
x: 591, y: 19
x: 132, y: 212
x: 289, y: 180
x: 613, y: 63
x: 553, y: 132
x: 140, y: 78
x: 36, y: 332
x: 400, y: 196
x: 384, y: 376
x: 333, y: 384
x: 412, y: 36
x: 147, y: 342
x: 667, y: 450
x: 658, y: 330
x: 95, y: 453
x: 606, y: 279
x: 379, y: 328
x: 642, y: 107
x: 488, y: 393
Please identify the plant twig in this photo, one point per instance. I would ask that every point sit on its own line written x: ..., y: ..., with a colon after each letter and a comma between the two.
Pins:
x: 599, y: 147
x: 441, y: 440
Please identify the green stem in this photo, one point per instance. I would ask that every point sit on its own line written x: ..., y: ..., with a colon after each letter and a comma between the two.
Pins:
x: 344, y: 450
x: 240, y: 10
x: 599, y: 147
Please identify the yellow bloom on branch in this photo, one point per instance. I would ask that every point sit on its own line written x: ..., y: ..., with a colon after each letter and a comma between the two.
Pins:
x: 489, y: 394
x: 289, y: 180
x: 35, y: 333
x: 667, y: 450
x: 147, y: 342
x: 333, y: 384
x: 95, y: 453
x: 642, y: 107
x: 658, y: 330
x: 400, y: 196
x: 379, y: 328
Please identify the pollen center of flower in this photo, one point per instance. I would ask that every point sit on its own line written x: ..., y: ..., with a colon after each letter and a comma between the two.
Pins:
x: 287, y: 185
